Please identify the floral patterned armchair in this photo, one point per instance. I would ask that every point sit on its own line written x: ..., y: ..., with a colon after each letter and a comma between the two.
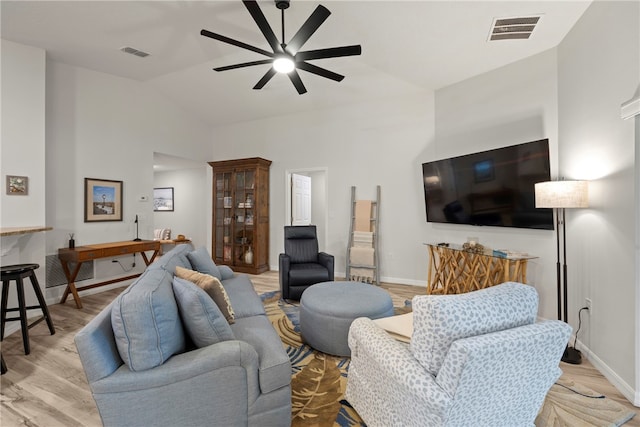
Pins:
x: 474, y: 359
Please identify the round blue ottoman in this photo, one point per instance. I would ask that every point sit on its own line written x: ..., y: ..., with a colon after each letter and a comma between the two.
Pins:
x: 327, y: 310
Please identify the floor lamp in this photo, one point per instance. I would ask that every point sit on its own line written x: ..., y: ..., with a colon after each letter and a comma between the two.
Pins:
x: 561, y: 195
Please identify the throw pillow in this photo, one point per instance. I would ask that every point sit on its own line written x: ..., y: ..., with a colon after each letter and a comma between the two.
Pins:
x: 201, y: 317
x: 175, y: 257
x: 226, y: 272
x: 212, y: 287
x: 201, y: 261
x: 145, y: 322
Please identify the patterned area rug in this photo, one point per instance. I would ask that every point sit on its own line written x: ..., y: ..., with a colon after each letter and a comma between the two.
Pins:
x: 319, y: 381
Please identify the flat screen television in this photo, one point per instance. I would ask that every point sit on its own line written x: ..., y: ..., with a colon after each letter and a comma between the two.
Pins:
x: 493, y: 188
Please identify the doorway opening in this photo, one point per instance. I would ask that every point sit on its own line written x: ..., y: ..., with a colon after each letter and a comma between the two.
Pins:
x: 315, y: 210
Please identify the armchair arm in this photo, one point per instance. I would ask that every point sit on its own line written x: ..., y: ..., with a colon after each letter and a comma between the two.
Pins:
x: 402, y: 384
x: 284, y: 264
x: 327, y: 261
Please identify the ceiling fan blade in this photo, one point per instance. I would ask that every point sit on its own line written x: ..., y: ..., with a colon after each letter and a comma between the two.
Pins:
x: 244, y: 64
x: 263, y: 24
x: 332, y: 52
x: 297, y: 82
x: 319, y: 71
x: 265, y: 79
x: 308, y: 28
x: 237, y: 43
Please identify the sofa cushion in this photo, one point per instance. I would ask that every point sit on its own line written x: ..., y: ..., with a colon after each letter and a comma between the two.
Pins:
x: 145, y: 322
x: 274, y: 367
x: 439, y: 320
x: 201, y: 317
x: 175, y: 257
x: 201, y: 261
x: 212, y: 287
x: 244, y: 299
x: 303, y: 274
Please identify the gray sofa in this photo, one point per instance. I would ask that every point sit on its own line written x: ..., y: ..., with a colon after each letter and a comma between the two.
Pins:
x: 143, y: 371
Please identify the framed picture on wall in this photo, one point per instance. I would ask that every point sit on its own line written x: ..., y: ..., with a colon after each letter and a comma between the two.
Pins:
x: 102, y: 200
x: 17, y: 185
x: 163, y: 199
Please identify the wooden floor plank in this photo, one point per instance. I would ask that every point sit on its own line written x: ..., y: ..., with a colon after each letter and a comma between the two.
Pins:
x: 48, y: 388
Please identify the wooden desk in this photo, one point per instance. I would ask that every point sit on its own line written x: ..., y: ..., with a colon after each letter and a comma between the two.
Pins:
x: 453, y: 270
x: 80, y: 254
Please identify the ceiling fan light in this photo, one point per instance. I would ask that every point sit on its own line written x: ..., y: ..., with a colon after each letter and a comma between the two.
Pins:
x: 283, y: 65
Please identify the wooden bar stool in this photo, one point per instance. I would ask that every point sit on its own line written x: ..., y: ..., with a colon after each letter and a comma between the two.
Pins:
x: 18, y: 273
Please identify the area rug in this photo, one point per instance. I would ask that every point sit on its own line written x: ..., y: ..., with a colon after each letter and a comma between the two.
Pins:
x: 319, y: 381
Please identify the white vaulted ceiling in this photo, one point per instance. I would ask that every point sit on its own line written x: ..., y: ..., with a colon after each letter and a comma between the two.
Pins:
x: 407, y: 46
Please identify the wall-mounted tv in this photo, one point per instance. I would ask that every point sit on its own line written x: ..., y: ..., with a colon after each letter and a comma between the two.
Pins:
x: 494, y: 188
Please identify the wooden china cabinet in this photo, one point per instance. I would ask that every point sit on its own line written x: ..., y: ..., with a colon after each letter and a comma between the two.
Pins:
x: 241, y: 214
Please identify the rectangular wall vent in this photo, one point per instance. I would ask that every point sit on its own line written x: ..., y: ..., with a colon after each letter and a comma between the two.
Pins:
x: 55, y: 274
x: 513, y: 28
x: 134, y: 51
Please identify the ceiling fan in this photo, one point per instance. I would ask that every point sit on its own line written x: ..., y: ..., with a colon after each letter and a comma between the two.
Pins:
x: 287, y: 57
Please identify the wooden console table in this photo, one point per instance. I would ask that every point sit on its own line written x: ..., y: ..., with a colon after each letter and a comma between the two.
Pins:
x: 80, y: 254
x: 453, y: 270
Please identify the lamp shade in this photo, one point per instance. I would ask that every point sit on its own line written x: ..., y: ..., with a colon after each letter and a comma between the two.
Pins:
x: 562, y: 194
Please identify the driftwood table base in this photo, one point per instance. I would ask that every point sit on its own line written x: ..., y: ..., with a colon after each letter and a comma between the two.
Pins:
x: 453, y: 270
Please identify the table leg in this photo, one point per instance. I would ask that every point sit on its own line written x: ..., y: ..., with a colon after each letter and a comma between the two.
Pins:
x: 149, y: 261
x: 507, y: 270
x: 71, y: 285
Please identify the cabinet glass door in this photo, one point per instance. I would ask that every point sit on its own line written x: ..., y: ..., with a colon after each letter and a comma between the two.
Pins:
x: 244, y: 217
x: 223, y: 216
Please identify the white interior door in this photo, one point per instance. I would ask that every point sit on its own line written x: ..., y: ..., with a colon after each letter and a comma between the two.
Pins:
x: 300, y: 199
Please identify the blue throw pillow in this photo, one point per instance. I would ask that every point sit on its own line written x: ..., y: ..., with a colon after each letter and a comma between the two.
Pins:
x: 201, y: 317
x: 175, y: 257
x: 201, y: 261
x: 145, y: 322
x: 226, y: 272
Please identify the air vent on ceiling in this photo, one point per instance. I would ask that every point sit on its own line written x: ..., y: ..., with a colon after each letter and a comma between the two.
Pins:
x: 133, y: 51
x: 513, y: 28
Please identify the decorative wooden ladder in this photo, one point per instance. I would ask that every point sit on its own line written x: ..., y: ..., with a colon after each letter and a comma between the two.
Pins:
x: 374, y: 224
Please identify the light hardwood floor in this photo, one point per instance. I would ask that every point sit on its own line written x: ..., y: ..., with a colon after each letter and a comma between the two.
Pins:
x: 48, y: 388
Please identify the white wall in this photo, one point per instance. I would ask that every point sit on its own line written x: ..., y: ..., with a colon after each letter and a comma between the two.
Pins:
x: 511, y: 105
x: 106, y: 127
x: 190, y: 203
x: 363, y: 145
x: 571, y: 95
x: 598, y: 70
x: 22, y: 153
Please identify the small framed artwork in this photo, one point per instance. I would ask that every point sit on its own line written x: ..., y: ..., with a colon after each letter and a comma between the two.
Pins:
x: 17, y: 185
x: 163, y: 199
x: 102, y: 200
x: 483, y: 171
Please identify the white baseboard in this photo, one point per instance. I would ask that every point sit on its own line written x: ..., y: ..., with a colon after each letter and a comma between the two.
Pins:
x: 627, y: 391
x: 386, y: 279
